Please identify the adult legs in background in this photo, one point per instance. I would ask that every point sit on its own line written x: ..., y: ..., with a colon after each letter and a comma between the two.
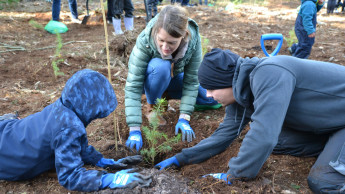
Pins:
x: 110, y: 12
x: 56, y: 7
x: 129, y: 17
x: 73, y: 8
x: 323, y: 178
x: 331, y: 5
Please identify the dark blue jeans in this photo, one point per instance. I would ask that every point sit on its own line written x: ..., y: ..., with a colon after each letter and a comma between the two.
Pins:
x: 122, y: 5
x: 200, y: 2
x: 56, y: 7
x: 303, y: 48
x: 158, y: 80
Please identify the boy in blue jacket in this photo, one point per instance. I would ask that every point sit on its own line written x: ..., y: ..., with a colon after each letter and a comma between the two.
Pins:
x: 305, y: 28
x: 56, y: 138
x: 293, y: 106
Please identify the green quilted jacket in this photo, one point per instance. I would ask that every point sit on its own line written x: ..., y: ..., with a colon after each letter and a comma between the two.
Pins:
x: 144, y: 50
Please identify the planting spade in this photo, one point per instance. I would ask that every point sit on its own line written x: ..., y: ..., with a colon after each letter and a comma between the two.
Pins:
x: 271, y: 37
x: 86, y: 17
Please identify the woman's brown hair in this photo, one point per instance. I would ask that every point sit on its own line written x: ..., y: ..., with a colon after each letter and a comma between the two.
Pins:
x: 174, y: 20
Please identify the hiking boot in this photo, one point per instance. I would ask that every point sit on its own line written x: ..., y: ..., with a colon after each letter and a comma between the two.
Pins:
x: 76, y: 21
x: 202, y: 107
x: 290, y: 50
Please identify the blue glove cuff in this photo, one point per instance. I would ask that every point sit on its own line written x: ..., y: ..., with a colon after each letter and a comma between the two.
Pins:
x: 183, y: 121
x: 135, y: 133
x: 175, y: 161
x: 106, y: 179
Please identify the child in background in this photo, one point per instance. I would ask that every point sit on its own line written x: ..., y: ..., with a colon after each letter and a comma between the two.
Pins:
x: 305, y: 28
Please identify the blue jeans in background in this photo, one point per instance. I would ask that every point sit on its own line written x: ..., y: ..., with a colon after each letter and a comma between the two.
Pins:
x: 158, y: 80
x: 200, y: 2
x: 56, y: 7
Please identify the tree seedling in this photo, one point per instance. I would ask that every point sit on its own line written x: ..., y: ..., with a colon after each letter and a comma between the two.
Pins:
x: 158, y: 141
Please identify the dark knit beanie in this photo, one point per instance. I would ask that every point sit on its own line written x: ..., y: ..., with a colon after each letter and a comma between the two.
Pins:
x: 217, y: 69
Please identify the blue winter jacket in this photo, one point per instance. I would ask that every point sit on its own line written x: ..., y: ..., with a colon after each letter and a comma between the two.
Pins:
x: 307, y: 13
x: 274, y: 93
x: 56, y: 137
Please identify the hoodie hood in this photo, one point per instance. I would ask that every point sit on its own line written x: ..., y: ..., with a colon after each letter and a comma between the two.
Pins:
x: 241, y: 83
x: 89, y: 95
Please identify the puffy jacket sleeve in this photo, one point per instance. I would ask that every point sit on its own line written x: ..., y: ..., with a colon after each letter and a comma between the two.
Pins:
x: 69, y: 161
x: 308, y: 13
x: 190, y: 78
x: 272, y: 96
x: 137, y: 65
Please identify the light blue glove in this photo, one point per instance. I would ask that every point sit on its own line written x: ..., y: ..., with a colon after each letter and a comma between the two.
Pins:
x: 135, y: 139
x: 110, y: 163
x: 220, y: 176
x: 186, y: 130
x: 49, y: 1
x: 167, y: 163
x: 9, y: 116
x: 125, y: 179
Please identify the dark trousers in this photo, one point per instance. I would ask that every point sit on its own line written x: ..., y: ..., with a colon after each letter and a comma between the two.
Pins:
x: 329, y: 148
x: 302, y: 49
x: 116, y: 8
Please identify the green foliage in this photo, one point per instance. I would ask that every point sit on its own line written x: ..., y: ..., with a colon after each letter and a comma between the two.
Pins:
x: 292, y: 37
x: 35, y: 24
x: 155, y: 137
x: 57, y: 57
x: 8, y: 3
x: 204, y: 44
x: 297, y: 187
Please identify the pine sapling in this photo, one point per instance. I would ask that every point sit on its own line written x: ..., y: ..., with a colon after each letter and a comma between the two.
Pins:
x: 57, y: 57
x: 158, y: 141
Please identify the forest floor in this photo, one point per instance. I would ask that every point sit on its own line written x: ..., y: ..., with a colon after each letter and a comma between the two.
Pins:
x: 28, y: 84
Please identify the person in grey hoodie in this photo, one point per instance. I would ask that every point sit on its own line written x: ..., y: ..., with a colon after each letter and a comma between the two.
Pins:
x: 294, y: 106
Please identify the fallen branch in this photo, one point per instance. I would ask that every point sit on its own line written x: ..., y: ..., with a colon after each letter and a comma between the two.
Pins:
x: 11, y: 48
x: 48, y: 47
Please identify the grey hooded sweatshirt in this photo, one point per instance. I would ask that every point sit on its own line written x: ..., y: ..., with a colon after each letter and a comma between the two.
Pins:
x: 303, y: 95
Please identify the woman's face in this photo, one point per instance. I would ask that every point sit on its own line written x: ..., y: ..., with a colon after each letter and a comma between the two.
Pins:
x: 167, y: 44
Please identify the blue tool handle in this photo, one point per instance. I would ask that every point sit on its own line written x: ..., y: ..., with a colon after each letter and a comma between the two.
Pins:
x: 271, y: 37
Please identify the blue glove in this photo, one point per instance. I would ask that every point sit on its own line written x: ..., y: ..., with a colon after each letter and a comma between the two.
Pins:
x: 135, y: 139
x: 186, y: 130
x: 9, y: 116
x: 167, y: 163
x: 110, y: 163
x: 220, y: 176
x: 49, y: 1
x: 131, y: 160
x: 125, y: 179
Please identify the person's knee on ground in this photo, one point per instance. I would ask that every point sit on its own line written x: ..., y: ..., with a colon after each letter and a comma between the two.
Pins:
x: 323, y: 178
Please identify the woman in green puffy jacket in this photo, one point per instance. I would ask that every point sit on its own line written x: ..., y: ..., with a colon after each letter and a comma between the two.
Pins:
x: 165, y: 60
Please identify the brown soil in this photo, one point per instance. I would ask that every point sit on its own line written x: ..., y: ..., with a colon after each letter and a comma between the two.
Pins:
x: 28, y: 85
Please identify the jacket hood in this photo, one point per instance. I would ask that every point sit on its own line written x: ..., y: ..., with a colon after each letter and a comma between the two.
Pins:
x: 89, y: 95
x: 241, y: 82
